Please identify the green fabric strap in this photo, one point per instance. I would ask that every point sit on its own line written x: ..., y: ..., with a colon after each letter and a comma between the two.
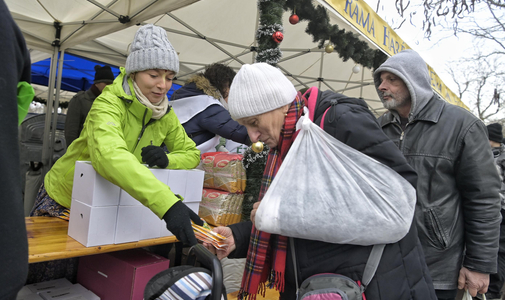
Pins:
x: 25, y: 97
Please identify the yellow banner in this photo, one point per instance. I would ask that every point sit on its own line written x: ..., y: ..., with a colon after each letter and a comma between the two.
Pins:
x: 366, y: 21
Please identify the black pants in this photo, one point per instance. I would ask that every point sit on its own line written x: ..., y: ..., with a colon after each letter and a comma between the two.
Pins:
x: 496, y: 281
x: 446, y: 294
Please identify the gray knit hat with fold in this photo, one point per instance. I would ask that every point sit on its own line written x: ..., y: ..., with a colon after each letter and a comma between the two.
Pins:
x: 151, y: 49
x: 257, y: 89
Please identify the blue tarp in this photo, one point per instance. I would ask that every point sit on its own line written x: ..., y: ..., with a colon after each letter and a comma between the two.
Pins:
x: 78, y: 73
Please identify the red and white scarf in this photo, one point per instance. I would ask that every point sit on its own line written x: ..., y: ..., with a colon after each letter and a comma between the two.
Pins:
x: 266, y: 257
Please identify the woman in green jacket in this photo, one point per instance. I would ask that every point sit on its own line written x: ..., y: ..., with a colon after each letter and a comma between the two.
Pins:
x: 125, y: 128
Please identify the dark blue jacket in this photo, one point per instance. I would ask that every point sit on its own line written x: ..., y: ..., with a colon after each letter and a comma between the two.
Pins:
x: 215, y: 119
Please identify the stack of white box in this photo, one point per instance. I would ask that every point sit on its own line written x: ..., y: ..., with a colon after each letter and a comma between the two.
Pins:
x: 101, y: 213
x: 60, y: 289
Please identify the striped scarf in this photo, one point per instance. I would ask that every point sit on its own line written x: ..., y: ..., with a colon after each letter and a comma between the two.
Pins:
x: 266, y: 257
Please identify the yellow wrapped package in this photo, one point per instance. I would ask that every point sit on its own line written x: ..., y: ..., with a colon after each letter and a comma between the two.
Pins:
x: 224, y: 171
x: 220, y: 208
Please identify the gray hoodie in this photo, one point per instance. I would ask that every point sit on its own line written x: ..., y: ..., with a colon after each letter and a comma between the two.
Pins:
x: 416, y: 77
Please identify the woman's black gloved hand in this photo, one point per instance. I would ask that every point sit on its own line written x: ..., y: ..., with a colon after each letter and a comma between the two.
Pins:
x: 178, y: 219
x: 154, y: 156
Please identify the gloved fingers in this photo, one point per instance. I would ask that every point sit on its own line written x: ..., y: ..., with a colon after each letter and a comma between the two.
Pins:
x: 190, y: 238
x: 195, y: 218
x: 151, y: 156
x: 147, y: 149
x: 182, y: 237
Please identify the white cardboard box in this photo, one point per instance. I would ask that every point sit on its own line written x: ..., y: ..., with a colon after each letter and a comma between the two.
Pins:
x: 163, y: 229
x: 150, y: 227
x: 92, y: 226
x: 126, y: 199
x: 194, y: 186
x: 35, y: 288
x: 91, y: 188
x: 74, y: 292
x: 177, y: 182
x: 129, y: 220
x: 29, y: 297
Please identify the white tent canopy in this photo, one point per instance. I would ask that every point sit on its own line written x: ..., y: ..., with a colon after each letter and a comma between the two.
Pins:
x: 202, y: 32
x: 56, y: 25
x: 224, y: 31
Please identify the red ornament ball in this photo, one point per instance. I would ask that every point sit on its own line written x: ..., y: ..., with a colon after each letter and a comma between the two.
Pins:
x: 278, y: 37
x: 294, y: 19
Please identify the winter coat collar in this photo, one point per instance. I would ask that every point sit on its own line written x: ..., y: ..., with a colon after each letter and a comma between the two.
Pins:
x: 195, y: 86
x: 136, y: 108
x: 431, y: 112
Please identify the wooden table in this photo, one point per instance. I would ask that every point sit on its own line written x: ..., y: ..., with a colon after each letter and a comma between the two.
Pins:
x: 48, y: 240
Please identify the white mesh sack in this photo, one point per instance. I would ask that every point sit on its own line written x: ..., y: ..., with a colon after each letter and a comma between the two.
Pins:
x: 328, y: 191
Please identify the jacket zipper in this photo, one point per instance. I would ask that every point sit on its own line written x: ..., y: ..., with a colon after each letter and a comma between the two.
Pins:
x: 400, y: 146
x: 402, y: 136
x: 143, y: 128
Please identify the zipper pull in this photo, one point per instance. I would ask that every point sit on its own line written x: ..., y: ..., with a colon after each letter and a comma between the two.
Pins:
x: 401, y: 136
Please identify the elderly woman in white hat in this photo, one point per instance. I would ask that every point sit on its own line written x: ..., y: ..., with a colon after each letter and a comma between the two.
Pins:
x: 263, y: 100
x: 125, y: 128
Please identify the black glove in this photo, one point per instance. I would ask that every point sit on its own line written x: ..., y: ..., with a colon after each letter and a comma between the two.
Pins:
x: 178, y: 219
x: 154, y: 156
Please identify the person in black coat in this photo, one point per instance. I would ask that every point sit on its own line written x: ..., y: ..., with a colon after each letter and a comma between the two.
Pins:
x: 15, y: 67
x: 201, y: 106
x: 266, y: 102
x: 458, y: 201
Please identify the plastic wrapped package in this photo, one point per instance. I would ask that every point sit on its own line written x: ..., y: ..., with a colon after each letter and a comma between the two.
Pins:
x: 224, y: 171
x: 220, y: 208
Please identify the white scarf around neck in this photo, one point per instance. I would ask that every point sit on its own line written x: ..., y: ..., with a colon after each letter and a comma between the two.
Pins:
x: 159, y: 109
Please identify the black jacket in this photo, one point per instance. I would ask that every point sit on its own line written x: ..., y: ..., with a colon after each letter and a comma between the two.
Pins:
x: 14, y: 67
x: 78, y: 109
x: 458, y: 203
x: 214, y: 119
x: 402, y: 273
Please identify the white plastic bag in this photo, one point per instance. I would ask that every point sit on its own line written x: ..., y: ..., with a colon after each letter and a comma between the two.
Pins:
x: 467, y: 296
x: 328, y: 191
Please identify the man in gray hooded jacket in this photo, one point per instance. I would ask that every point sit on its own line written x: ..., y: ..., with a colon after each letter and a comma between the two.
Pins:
x: 458, y: 207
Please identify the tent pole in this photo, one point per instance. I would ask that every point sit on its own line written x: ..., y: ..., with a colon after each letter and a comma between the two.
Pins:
x: 291, y: 75
x: 47, y: 147
x: 320, y: 71
x: 56, y: 105
x: 203, y: 37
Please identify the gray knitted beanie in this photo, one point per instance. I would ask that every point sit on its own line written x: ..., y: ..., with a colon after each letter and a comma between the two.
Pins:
x: 151, y: 49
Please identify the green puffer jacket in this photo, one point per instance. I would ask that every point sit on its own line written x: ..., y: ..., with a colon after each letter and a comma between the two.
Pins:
x: 118, y: 126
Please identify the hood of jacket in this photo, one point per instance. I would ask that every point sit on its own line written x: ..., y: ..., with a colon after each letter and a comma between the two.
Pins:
x: 409, y: 66
x: 196, y: 85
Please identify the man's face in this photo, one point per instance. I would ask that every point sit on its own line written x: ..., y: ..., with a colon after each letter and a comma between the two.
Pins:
x: 393, y: 91
x: 101, y: 85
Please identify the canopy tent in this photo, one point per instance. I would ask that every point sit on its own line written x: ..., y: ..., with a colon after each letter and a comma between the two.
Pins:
x: 205, y: 32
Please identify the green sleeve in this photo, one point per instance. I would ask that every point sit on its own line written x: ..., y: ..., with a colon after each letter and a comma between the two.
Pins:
x: 183, y: 153
x: 25, y: 97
